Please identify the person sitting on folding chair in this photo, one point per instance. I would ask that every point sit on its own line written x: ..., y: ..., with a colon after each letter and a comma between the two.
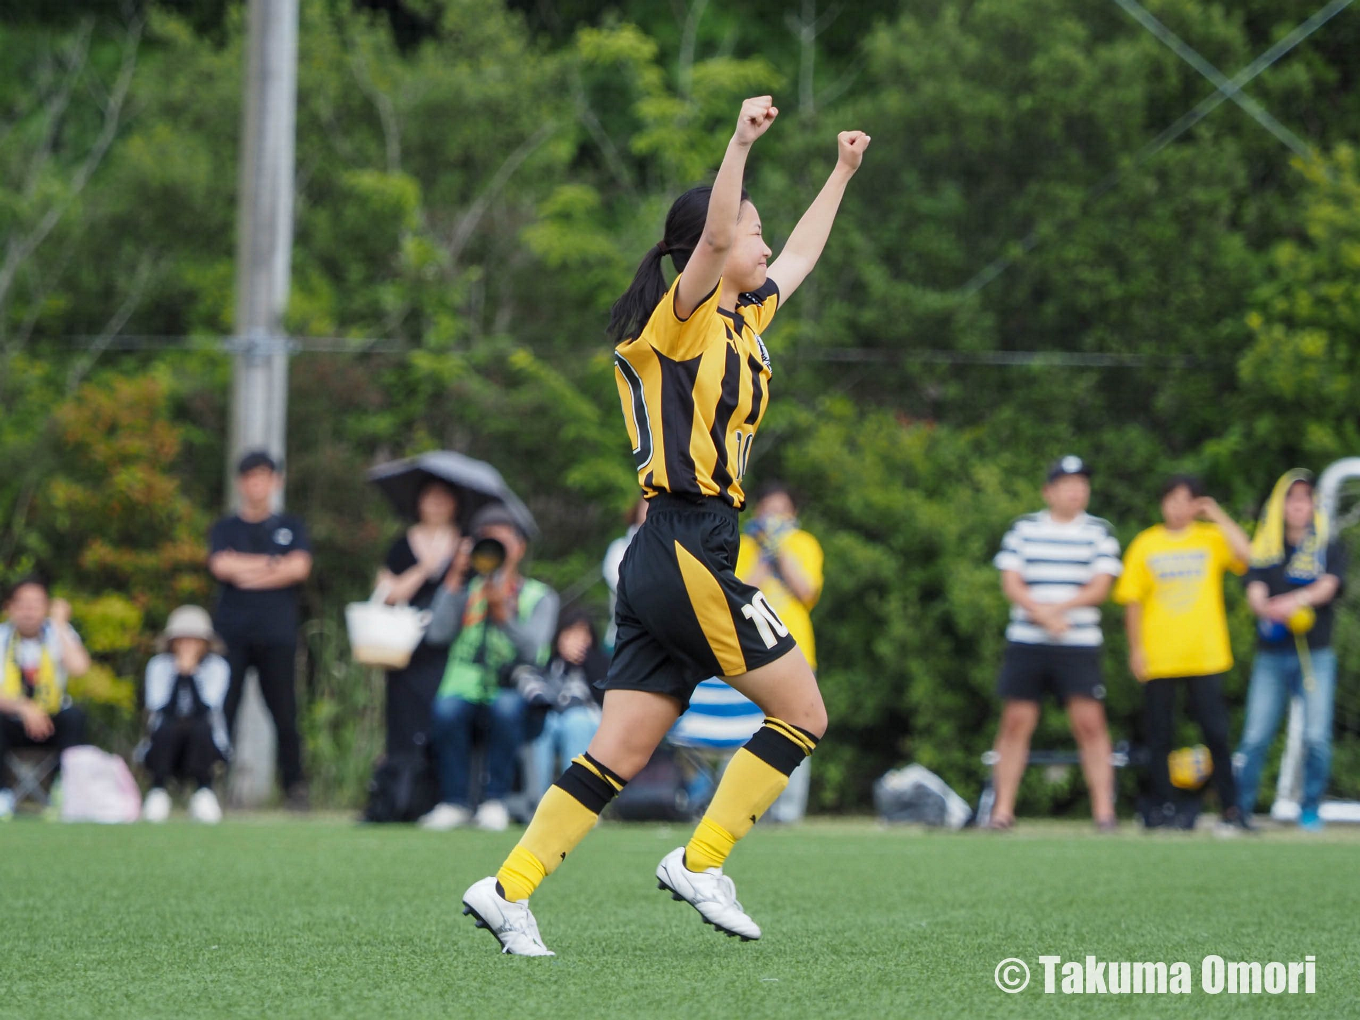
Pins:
x: 39, y: 650
x: 186, y: 694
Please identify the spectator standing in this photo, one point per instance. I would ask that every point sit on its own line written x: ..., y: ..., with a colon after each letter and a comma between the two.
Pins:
x: 39, y: 651
x: 493, y: 624
x: 784, y: 562
x: 186, y: 694
x: 416, y: 565
x: 613, y: 561
x: 1057, y: 567
x: 1295, y: 577
x: 565, y: 692
x: 261, y: 559
x: 1172, y: 591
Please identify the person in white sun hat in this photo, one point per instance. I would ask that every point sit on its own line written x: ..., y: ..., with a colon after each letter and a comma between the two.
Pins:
x: 186, y: 690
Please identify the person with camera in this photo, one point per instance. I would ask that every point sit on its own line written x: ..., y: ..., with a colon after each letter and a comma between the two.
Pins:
x: 494, y: 620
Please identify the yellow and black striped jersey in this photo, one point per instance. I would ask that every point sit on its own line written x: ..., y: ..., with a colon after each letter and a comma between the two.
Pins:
x: 694, y: 392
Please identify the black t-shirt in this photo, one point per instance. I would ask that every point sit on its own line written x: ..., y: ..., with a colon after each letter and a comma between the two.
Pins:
x: 263, y: 616
x: 401, y: 558
x: 1278, y: 582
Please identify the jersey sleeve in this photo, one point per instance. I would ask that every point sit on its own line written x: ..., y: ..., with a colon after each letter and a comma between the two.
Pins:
x: 1223, y: 552
x: 1107, y: 555
x: 1136, y: 581
x: 1010, y: 556
x: 302, y: 542
x: 758, y: 306
x: 681, y: 339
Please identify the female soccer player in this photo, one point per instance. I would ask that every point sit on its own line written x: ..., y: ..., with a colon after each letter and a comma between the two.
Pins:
x: 693, y: 376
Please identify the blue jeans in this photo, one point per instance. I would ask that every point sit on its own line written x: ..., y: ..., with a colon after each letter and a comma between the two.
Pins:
x: 1274, y: 676
x: 451, y: 732
x: 565, y: 735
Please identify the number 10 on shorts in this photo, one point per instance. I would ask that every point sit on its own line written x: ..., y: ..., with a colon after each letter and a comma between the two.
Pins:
x: 767, y: 621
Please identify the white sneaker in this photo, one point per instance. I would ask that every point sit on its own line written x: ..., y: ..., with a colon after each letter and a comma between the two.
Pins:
x: 6, y: 805
x: 710, y: 892
x: 492, y: 816
x: 203, y: 807
x: 445, y: 817
x: 513, y: 924
x: 156, y: 807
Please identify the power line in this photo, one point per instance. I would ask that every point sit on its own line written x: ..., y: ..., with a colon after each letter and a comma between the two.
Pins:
x: 845, y: 355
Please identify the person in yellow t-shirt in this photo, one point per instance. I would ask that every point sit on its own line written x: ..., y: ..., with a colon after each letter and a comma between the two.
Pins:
x: 1172, y: 591
x: 784, y: 562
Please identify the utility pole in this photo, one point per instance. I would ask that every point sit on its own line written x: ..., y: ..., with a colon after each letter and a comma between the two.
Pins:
x: 264, y: 251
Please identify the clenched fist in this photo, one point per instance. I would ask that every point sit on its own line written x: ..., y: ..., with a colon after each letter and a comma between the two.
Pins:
x: 850, y: 146
x: 757, y: 114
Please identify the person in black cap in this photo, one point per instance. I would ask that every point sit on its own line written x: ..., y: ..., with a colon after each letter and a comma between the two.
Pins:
x: 261, y: 558
x: 1057, y: 567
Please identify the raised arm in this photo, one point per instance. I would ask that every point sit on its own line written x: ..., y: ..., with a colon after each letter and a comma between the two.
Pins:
x: 1208, y: 508
x: 705, y: 266
x: 809, y: 237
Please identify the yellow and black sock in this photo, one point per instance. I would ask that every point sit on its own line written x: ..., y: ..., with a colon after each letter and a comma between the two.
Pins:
x: 754, y: 779
x: 565, y: 814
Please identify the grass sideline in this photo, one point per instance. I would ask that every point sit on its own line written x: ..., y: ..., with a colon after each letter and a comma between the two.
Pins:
x: 276, y: 917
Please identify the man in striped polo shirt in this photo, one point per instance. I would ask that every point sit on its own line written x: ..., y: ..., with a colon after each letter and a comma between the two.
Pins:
x: 1057, y: 567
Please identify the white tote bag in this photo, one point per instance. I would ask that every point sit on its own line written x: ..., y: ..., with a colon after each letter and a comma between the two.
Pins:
x: 97, y: 787
x: 383, y: 635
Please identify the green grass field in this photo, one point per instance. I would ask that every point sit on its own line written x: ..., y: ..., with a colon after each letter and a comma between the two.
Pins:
x: 278, y: 918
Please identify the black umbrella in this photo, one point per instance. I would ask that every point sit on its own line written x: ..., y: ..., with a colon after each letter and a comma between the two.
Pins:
x: 475, y: 482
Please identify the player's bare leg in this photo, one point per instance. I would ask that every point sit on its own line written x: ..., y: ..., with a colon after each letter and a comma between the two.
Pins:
x: 1018, y: 719
x: 1087, y: 716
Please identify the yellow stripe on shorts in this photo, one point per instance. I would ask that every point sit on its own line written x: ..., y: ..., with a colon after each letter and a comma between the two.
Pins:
x: 710, y: 606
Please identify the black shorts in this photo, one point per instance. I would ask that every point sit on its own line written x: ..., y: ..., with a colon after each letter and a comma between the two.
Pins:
x: 1028, y: 672
x: 682, y: 614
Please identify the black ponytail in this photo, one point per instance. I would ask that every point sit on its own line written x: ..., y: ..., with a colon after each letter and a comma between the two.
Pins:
x: 684, y: 228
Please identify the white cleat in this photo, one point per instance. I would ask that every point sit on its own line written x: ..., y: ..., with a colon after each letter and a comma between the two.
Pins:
x: 444, y: 817
x: 203, y: 807
x: 492, y: 816
x: 156, y: 807
x: 513, y: 924
x: 710, y: 892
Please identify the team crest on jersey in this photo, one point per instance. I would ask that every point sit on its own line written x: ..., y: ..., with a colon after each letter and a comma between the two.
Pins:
x: 764, y: 354
x: 283, y: 536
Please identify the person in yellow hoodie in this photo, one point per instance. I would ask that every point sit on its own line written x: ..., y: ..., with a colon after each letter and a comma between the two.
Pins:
x: 1172, y: 591
x: 1297, y: 573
